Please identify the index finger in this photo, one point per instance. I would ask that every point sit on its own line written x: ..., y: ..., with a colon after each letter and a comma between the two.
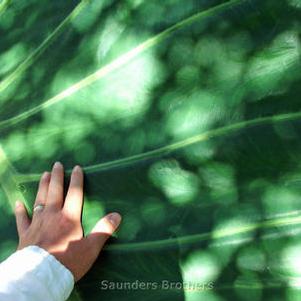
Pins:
x: 74, y: 199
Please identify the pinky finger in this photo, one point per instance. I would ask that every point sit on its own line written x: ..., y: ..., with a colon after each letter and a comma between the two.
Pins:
x: 22, y: 219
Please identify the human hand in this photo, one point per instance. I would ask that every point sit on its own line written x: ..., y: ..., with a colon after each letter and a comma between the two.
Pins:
x: 57, y: 228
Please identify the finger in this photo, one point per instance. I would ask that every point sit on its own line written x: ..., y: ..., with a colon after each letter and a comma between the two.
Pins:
x: 43, y: 189
x: 56, y: 187
x: 103, y: 229
x: 22, y: 219
x: 74, y: 199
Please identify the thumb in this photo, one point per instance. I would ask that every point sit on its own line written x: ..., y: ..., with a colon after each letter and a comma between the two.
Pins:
x: 22, y: 219
x: 103, y: 229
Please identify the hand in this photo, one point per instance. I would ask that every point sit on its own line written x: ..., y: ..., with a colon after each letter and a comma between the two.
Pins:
x: 57, y: 228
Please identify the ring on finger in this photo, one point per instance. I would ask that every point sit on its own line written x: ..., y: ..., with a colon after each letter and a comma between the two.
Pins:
x: 38, y: 208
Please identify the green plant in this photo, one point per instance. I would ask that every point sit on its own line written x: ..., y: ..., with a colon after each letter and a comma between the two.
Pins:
x: 186, y: 118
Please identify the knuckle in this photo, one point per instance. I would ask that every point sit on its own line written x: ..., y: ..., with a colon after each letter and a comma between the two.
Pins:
x: 67, y: 221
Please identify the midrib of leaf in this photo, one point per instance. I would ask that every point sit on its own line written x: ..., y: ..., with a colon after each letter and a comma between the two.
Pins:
x: 41, y: 48
x: 117, y: 63
x: 3, y: 6
x: 219, y: 132
x: 213, y: 235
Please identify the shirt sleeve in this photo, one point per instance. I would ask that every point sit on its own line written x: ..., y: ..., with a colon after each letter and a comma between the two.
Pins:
x: 33, y: 274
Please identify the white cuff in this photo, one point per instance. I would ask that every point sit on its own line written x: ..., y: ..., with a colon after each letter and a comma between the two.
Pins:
x: 34, y: 274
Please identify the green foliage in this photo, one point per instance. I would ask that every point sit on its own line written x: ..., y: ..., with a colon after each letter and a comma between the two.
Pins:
x: 186, y: 118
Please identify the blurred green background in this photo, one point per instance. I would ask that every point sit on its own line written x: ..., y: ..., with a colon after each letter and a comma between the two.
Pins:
x: 186, y: 118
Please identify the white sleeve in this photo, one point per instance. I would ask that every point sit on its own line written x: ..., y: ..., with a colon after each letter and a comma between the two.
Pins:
x: 32, y: 274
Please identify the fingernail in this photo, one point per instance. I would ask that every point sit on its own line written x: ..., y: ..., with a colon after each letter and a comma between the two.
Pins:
x: 76, y: 168
x: 18, y: 204
x: 57, y: 164
x: 45, y: 175
x: 115, y: 219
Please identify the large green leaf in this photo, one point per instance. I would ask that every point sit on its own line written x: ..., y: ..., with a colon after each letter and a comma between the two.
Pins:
x: 186, y: 118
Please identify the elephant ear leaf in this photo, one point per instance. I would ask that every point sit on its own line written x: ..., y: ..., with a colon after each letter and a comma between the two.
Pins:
x: 186, y: 119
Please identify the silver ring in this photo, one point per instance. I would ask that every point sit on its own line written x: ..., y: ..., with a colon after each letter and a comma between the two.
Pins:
x: 39, y: 207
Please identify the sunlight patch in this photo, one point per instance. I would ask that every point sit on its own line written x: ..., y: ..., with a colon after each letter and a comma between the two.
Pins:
x: 178, y: 185
x: 279, y: 200
x: 290, y: 265
x: 15, y: 145
x: 193, y: 114
x: 123, y: 93
x: 220, y: 180
x: 12, y: 57
x: 200, y: 267
x: 93, y: 210
x: 109, y: 37
x: 271, y: 70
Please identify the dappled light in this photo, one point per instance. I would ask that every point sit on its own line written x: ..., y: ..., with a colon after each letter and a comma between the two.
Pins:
x: 185, y: 119
x: 178, y: 185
